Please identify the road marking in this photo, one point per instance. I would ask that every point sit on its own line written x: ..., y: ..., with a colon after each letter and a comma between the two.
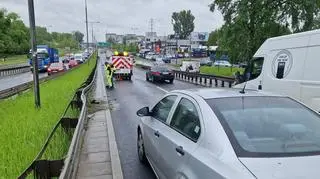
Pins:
x: 162, y: 89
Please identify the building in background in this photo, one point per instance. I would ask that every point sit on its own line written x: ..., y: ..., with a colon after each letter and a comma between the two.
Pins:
x: 127, y: 38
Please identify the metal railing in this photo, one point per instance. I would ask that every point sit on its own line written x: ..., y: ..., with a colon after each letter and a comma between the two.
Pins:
x: 71, y: 162
x: 14, y: 70
x: 205, y: 80
x: 44, y: 169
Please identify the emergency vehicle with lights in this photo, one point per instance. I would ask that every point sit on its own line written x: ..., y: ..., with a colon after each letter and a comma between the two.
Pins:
x: 123, y: 64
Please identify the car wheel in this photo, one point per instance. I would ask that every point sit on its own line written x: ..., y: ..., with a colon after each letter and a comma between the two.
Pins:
x: 129, y: 78
x: 147, y: 78
x: 140, y: 147
x: 171, y: 81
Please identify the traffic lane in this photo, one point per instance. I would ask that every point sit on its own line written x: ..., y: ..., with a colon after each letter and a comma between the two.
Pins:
x: 12, y: 81
x: 125, y: 100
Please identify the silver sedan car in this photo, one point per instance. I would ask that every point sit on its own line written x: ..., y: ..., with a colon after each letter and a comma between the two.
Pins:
x: 216, y: 133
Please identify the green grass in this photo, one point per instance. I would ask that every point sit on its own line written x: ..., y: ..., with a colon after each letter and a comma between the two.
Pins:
x: 12, y: 60
x: 220, y: 71
x: 24, y: 129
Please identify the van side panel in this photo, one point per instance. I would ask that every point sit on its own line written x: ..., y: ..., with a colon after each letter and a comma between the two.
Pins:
x: 292, y: 76
x: 310, y: 87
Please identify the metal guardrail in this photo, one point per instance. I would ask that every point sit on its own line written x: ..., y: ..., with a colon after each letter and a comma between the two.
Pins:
x: 44, y: 169
x: 203, y: 79
x: 14, y: 70
x: 71, y: 162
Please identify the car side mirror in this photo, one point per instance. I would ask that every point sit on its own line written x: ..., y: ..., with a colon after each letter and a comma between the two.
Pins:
x: 143, y: 112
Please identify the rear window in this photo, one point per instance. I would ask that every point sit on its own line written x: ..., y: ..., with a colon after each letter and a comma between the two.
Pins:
x: 268, y: 126
x: 56, y: 65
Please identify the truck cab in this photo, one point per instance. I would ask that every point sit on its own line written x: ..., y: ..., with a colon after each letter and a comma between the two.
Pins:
x: 45, y: 56
x: 287, y: 65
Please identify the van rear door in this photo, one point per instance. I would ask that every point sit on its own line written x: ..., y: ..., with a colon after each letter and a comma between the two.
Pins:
x: 310, y: 86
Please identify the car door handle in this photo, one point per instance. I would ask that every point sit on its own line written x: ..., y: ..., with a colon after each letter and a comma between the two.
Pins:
x: 157, y: 133
x: 180, y: 150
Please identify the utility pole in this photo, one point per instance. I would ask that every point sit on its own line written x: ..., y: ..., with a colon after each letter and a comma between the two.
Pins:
x: 97, y: 22
x: 151, y: 25
x: 86, y: 10
x: 34, y: 53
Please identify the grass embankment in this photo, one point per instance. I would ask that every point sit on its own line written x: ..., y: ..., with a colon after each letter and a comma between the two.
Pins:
x: 15, y: 59
x: 220, y: 71
x: 24, y: 129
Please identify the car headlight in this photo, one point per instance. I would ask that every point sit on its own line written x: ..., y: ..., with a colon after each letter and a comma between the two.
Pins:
x: 45, y: 66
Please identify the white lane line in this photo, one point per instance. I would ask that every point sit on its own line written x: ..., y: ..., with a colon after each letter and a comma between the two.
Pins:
x: 162, y: 89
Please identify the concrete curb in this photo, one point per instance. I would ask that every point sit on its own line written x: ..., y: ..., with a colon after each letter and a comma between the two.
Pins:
x: 114, y: 153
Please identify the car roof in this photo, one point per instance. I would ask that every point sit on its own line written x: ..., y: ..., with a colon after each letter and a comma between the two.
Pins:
x: 211, y: 93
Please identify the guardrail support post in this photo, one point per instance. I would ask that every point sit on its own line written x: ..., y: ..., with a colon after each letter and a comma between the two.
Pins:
x: 222, y: 83
x: 205, y: 81
x: 216, y: 82
x: 200, y: 80
x: 230, y: 84
x: 210, y: 81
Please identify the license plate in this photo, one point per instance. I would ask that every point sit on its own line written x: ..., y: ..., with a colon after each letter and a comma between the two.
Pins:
x: 165, y: 73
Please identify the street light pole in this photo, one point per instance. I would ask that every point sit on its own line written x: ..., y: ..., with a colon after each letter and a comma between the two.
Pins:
x: 86, y: 9
x: 34, y: 53
x: 96, y: 22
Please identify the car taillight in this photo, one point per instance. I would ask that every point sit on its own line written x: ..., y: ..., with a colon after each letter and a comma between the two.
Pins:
x: 156, y: 73
x: 49, y: 69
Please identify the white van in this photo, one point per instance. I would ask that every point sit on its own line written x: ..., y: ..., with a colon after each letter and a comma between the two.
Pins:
x: 190, y: 66
x: 288, y: 65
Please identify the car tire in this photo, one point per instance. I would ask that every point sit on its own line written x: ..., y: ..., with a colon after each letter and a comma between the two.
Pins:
x: 140, y: 148
x: 129, y: 78
x: 171, y: 81
x: 147, y: 79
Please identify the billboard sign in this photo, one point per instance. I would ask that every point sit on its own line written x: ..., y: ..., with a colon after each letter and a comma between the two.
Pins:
x: 200, y: 36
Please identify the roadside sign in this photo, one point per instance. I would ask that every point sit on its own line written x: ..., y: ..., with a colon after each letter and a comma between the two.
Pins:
x: 104, y: 44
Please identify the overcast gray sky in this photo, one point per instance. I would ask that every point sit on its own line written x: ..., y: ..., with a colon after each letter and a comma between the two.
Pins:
x: 117, y: 16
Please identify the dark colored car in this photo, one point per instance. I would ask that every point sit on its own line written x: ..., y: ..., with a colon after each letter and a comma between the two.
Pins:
x: 72, y: 63
x: 159, y: 73
x: 56, y: 68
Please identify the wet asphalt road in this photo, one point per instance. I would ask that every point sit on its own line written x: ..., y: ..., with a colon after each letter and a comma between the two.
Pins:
x: 125, y: 100
x: 14, y: 80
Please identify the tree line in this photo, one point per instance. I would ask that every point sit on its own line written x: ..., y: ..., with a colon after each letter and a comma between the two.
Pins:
x: 248, y: 23
x: 15, y: 36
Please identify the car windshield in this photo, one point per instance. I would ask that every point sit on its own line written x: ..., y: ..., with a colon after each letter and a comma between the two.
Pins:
x: 268, y: 126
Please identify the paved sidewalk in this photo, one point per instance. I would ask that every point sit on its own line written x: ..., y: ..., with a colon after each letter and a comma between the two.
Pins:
x: 99, y: 155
